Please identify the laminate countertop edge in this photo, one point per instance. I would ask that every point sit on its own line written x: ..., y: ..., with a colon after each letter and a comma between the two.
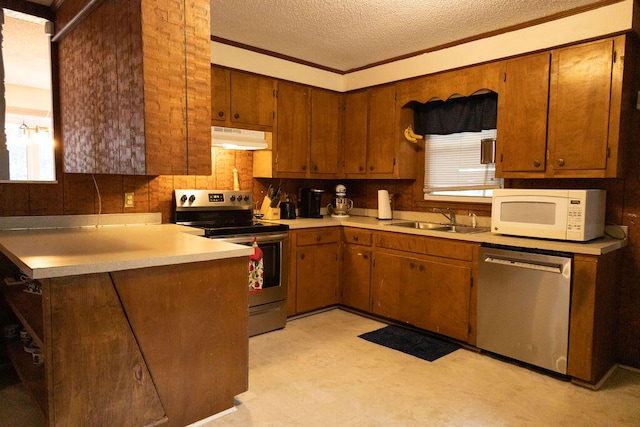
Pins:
x: 58, y: 252
x: 598, y: 246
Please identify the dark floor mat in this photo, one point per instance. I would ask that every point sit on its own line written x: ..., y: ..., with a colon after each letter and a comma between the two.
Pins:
x: 411, y: 342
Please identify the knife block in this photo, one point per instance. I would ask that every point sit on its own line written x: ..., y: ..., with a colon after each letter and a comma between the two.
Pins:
x: 267, y: 211
x: 272, y: 213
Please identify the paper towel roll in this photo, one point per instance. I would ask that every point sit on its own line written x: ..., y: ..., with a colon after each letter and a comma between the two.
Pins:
x: 384, y: 205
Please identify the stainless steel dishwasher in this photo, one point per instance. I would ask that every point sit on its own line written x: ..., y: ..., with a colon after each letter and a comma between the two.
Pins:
x: 523, y: 305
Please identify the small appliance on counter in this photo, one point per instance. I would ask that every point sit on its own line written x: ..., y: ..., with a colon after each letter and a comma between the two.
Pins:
x: 309, y: 202
x: 384, y: 205
x: 340, y: 205
x: 287, y: 208
x: 575, y: 215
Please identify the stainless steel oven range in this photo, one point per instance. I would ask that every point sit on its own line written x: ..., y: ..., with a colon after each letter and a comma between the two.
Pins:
x: 228, y: 215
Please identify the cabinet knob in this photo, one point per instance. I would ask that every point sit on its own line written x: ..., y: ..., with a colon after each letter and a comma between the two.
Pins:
x: 220, y: 113
x: 411, y: 265
x: 421, y: 267
x: 371, y: 168
x: 304, y: 167
x: 365, y: 256
x: 560, y: 162
x: 536, y: 163
x: 355, y: 238
x: 301, y: 256
x: 315, y: 168
x: 236, y: 116
x: 318, y: 238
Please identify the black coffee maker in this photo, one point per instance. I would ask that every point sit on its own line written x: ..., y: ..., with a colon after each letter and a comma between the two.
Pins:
x: 309, y: 202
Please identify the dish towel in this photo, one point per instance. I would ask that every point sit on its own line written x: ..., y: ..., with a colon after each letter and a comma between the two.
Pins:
x: 256, y: 269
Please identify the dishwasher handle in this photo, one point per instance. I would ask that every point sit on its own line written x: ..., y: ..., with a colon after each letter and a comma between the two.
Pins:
x: 532, y: 265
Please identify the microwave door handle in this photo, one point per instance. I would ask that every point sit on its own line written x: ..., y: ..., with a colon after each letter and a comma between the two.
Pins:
x: 531, y: 265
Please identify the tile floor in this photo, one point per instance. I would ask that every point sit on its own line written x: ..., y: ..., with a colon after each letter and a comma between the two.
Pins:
x: 317, y: 372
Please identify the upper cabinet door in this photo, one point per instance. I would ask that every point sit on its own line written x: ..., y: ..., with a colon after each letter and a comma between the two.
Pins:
x: 355, y: 133
x: 381, y: 147
x: 292, y: 158
x: 523, y: 125
x: 581, y: 94
x: 326, y: 132
x: 252, y: 99
x: 220, y: 95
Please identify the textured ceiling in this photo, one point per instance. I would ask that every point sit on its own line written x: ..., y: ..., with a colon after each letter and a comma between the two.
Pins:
x: 348, y: 34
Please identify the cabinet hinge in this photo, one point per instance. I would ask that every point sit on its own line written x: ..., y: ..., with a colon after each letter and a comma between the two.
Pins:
x: 608, y: 152
x: 615, y: 56
x: 275, y: 93
x: 394, y: 161
x: 469, y: 328
x: 276, y: 162
x: 504, y: 77
x: 471, y: 282
x: 501, y: 157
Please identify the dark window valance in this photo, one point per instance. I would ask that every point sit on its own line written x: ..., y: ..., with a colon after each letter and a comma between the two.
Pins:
x: 464, y: 114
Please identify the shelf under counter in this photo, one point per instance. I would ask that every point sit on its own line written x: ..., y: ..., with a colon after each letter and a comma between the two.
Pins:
x: 28, y: 308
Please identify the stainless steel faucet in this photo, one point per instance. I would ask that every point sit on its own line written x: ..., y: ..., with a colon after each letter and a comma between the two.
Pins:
x: 451, y: 217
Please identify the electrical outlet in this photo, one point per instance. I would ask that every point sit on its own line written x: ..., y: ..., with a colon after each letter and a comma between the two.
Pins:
x: 128, y: 200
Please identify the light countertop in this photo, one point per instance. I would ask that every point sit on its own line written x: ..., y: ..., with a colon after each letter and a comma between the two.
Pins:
x: 599, y: 246
x: 56, y: 252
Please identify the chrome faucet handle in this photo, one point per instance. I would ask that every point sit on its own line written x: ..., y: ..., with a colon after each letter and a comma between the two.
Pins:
x: 474, y: 219
x: 451, y: 217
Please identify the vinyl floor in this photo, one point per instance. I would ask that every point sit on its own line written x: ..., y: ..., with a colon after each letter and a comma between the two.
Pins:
x: 317, y: 372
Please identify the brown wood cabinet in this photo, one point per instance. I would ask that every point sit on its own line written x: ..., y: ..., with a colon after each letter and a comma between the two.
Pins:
x: 309, y: 132
x: 242, y: 100
x: 315, y: 269
x: 126, y: 348
x: 560, y: 112
x: 135, y: 89
x: 523, y: 114
x: 374, y: 146
x: 292, y: 134
x: 327, y: 112
x: 425, y: 282
x: 593, y: 316
x: 356, y: 269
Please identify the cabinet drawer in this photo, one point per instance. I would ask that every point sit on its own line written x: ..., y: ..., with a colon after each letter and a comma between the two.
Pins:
x: 318, y: 236
x: 426, y: 245
x: 356, y: 236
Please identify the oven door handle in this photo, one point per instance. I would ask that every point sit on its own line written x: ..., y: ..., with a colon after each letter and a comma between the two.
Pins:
x: 248, y: 238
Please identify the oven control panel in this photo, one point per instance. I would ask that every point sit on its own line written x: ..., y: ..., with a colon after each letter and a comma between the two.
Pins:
x: 214, y: 199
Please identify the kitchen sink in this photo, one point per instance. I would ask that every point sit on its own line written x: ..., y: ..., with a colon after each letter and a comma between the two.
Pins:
x: 436, y: 226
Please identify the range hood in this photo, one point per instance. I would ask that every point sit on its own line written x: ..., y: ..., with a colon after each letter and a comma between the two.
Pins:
x: 237, y: 139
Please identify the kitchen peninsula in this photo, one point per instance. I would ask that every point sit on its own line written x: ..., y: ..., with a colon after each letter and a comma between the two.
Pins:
x: 121, y: 322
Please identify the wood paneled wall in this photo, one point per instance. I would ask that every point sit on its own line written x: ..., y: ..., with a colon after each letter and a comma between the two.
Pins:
x: 76, y: 194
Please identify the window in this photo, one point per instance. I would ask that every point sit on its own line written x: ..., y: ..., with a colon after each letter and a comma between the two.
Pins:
x: 454, y: 130
x: 28, y: 153
x: 453, y: 170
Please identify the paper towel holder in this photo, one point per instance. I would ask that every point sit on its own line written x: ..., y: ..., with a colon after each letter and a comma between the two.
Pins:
x: 384, y: 205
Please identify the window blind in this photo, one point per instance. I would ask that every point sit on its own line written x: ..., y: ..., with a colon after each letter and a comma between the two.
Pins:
x: 452, y: 163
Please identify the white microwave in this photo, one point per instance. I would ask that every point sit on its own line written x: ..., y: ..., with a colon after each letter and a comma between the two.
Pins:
x: 576, y: 215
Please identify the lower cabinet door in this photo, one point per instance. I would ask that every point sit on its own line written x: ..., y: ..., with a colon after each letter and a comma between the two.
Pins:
x: 317, y: 273
x: 435, y: 296
x: 356, y: 277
